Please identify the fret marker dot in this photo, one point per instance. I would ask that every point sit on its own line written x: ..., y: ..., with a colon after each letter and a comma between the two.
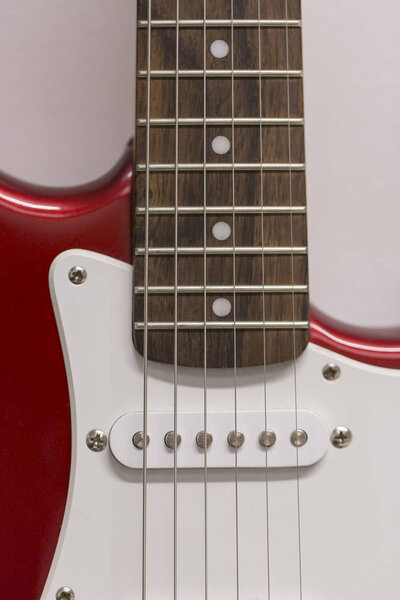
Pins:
x: 221, y: 307
x: 219, y: 48
x: 221, y: 144
x: 221, y: 231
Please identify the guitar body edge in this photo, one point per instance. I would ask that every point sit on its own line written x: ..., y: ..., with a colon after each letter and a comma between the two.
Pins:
x: 35, y: 228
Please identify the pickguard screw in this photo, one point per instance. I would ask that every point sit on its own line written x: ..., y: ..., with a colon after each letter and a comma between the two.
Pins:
x: 267, y: 438
x: 65, y: 593
x: 138, y: 440
x: 331, y: 372
x: 298, y: 438
x: 77, y: 275
x: 341, y: 437
x: 203, y: 439
x: 96, y: 440
x: 235, y: 439
x: 169, y: 439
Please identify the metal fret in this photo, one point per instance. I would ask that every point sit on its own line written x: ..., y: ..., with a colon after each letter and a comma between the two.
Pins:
x: 215, y: 210
x: 154, y: 167
x: 221, y: 23
x: 221, y: 121
x: 225, y: 250
x: 157, y: 325
x: 221, y: 73
x: 224, y: 289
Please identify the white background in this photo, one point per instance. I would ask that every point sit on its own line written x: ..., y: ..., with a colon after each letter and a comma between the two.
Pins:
x: 67, y: 106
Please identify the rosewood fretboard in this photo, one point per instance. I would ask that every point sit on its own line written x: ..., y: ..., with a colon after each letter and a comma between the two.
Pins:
x: 253, y: 97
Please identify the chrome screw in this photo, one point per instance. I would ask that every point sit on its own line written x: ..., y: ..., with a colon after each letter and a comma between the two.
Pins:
x: 267, y: 438
x: 96, y: 440
x: 138, y: 440
x: 331, y: 372
x: 169, y: 439
x: 298, y: 438
x: 235, y: 439
x: 77, y: 275
x: 65, y: 593
x: 341, y: 437
x: 203, y: 439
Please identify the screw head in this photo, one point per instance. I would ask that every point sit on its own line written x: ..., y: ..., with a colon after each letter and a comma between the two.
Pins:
x: 204, y: 439
x: 298, y: 438
x: 77, y: 275
x: 235, y: 439
x: 331, y: 372
x: 170, y: 440
x: 341, y: 437
x: 96, y: 440
x: 65, y: 593
x: 138, y: 440
x: 267, y: 438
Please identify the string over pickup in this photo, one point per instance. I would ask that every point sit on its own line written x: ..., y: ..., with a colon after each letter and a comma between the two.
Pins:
x: 283, y: 427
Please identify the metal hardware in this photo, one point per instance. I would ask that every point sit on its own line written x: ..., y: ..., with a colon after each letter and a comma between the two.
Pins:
x: 204, y: 440
x: 77, y: 275
x: 221, y: 23
x: 298, y: 438
x: 138, y: 440
x: 153, y: 325
x: 223, y: 289
x: 220, y: 453
x: 235, y: 439
x: 267, y: 438
x: 331, y: 372
x: 65, y: 593
x: 341, y: 437
x: 221, y: 121
x: 161, y: 167
x: 225, y: 250
x: 96, y: 440
x: 169, y: 439
x: 215, y: 210
x: 221, y: 73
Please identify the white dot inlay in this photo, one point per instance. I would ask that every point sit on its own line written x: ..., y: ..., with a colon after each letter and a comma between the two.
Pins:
x: 221, y: 144
x: 221, y: 231
x: 219, y: 48
x: 221, y: 307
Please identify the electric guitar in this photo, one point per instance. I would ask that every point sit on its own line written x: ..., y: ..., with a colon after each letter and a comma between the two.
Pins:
x: 221, y: 442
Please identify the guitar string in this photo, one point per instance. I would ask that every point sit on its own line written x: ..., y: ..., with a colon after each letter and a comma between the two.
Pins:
x: 263, y: 300
x: 234, y: 304
x: 145, y: 314
x: 175, y: 542
x: 293, y: 302
x: 205, y: 298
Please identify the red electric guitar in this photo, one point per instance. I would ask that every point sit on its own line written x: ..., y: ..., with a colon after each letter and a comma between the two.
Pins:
x: 198, y: 449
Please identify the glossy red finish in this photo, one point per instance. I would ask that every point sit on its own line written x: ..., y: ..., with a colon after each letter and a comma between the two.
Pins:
x: 35, y: 424
x: 35, y: 421
x: 380, y: 353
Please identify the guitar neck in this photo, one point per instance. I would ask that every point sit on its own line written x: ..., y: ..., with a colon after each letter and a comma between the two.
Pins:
x: 220, y: 228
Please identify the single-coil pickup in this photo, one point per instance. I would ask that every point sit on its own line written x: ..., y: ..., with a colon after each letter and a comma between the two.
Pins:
x: 251, y: 440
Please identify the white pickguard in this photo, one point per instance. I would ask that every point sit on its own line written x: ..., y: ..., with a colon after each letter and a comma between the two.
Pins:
x: 349, y: 501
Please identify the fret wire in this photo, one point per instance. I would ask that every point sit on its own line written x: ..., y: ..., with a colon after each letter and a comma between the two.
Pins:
x: 224, y: 289
x: 221, y: 23
x: 168, y: 73
x: 274, y: 325
x: 222, y: 167
x: 224, y: 250
x: 215, y: 121
x: 216, y: 210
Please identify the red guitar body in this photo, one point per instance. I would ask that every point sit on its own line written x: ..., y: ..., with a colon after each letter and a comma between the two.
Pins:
x: 36, y: 225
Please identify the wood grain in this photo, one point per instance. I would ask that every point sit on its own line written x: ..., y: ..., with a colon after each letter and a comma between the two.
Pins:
x: 279, y: 98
